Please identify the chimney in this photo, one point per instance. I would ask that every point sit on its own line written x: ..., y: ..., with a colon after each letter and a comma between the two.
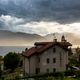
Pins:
x: 63, y: 38
x: 55, y: 40
x: 26, y: 49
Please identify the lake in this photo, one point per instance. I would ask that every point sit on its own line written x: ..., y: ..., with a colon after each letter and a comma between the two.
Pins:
x: 6, y: 49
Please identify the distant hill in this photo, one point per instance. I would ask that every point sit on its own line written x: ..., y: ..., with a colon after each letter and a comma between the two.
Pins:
x: 8, y: 38
x: 17, y: 38
x: 71, y: 37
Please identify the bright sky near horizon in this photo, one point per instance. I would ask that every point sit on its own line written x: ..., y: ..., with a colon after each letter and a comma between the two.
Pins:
x: 40, y: 16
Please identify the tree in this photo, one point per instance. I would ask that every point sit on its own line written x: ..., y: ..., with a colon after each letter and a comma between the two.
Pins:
x: 11, y: 60
x: 1, y: 58
x: 0, y: 73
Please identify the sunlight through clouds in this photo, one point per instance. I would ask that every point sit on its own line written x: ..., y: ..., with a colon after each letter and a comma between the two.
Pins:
x: 17, y: 25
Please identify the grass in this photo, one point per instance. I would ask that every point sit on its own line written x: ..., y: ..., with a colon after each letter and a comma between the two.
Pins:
x: 67, y: 78
x: 70, y: 79
x: 13, y: 75
x: 16, y: 76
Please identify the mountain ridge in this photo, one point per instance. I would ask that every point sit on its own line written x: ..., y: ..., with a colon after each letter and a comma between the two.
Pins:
x: 8, y: 38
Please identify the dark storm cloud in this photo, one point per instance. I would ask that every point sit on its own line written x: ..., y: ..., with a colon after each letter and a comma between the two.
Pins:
x: 62, y: 11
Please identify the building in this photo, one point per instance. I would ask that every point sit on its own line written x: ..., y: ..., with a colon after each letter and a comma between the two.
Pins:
x: 46, y: 57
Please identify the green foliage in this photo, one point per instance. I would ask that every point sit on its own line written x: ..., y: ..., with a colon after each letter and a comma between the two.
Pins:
x: 70, y: 79
x: 1, y: 58
x: 17, y: 78
x: 50, y: 78
x: 0, y: 73
x: 69, y: 73
x: 11, y: 60
x: 73, y: 62
x: 77, y: 73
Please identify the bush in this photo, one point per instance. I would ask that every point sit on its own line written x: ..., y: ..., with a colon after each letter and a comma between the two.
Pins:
x: 11, y: 60
x: 69, y: 73
x: 50, y: 78
x: 0, y: 73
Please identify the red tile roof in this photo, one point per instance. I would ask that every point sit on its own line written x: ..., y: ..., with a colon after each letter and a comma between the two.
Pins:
x: 30, y: 52
x: 62, y: 43
x: 44, y: 47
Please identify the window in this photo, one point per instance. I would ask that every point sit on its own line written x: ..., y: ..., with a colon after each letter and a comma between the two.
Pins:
x: 37, y: 70
x: 54, y: 60
x: 39, y: 60
x: 54, y: 49
x: 47, y: 60
x: 54, y: 69
x: 47, y: 70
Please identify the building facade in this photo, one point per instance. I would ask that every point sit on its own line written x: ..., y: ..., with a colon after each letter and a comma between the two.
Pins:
x: 46, y: 57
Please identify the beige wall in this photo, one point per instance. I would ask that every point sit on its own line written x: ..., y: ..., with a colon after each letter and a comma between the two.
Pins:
x: 25, y: 65
x: 29, y: 65
x: 43, y: 65
x: 49, y: 54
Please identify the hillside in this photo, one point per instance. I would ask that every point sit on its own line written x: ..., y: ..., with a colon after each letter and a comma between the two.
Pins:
x: 8, y: 38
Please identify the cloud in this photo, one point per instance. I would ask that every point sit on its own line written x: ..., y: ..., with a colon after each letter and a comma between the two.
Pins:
x: 40, y: 16
x: 43, y: 27
x: 61, y: 11
x: 9, y: 22
x: 19, y: 25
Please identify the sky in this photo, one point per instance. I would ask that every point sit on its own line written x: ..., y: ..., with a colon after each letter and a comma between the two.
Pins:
x: 40, y: 16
